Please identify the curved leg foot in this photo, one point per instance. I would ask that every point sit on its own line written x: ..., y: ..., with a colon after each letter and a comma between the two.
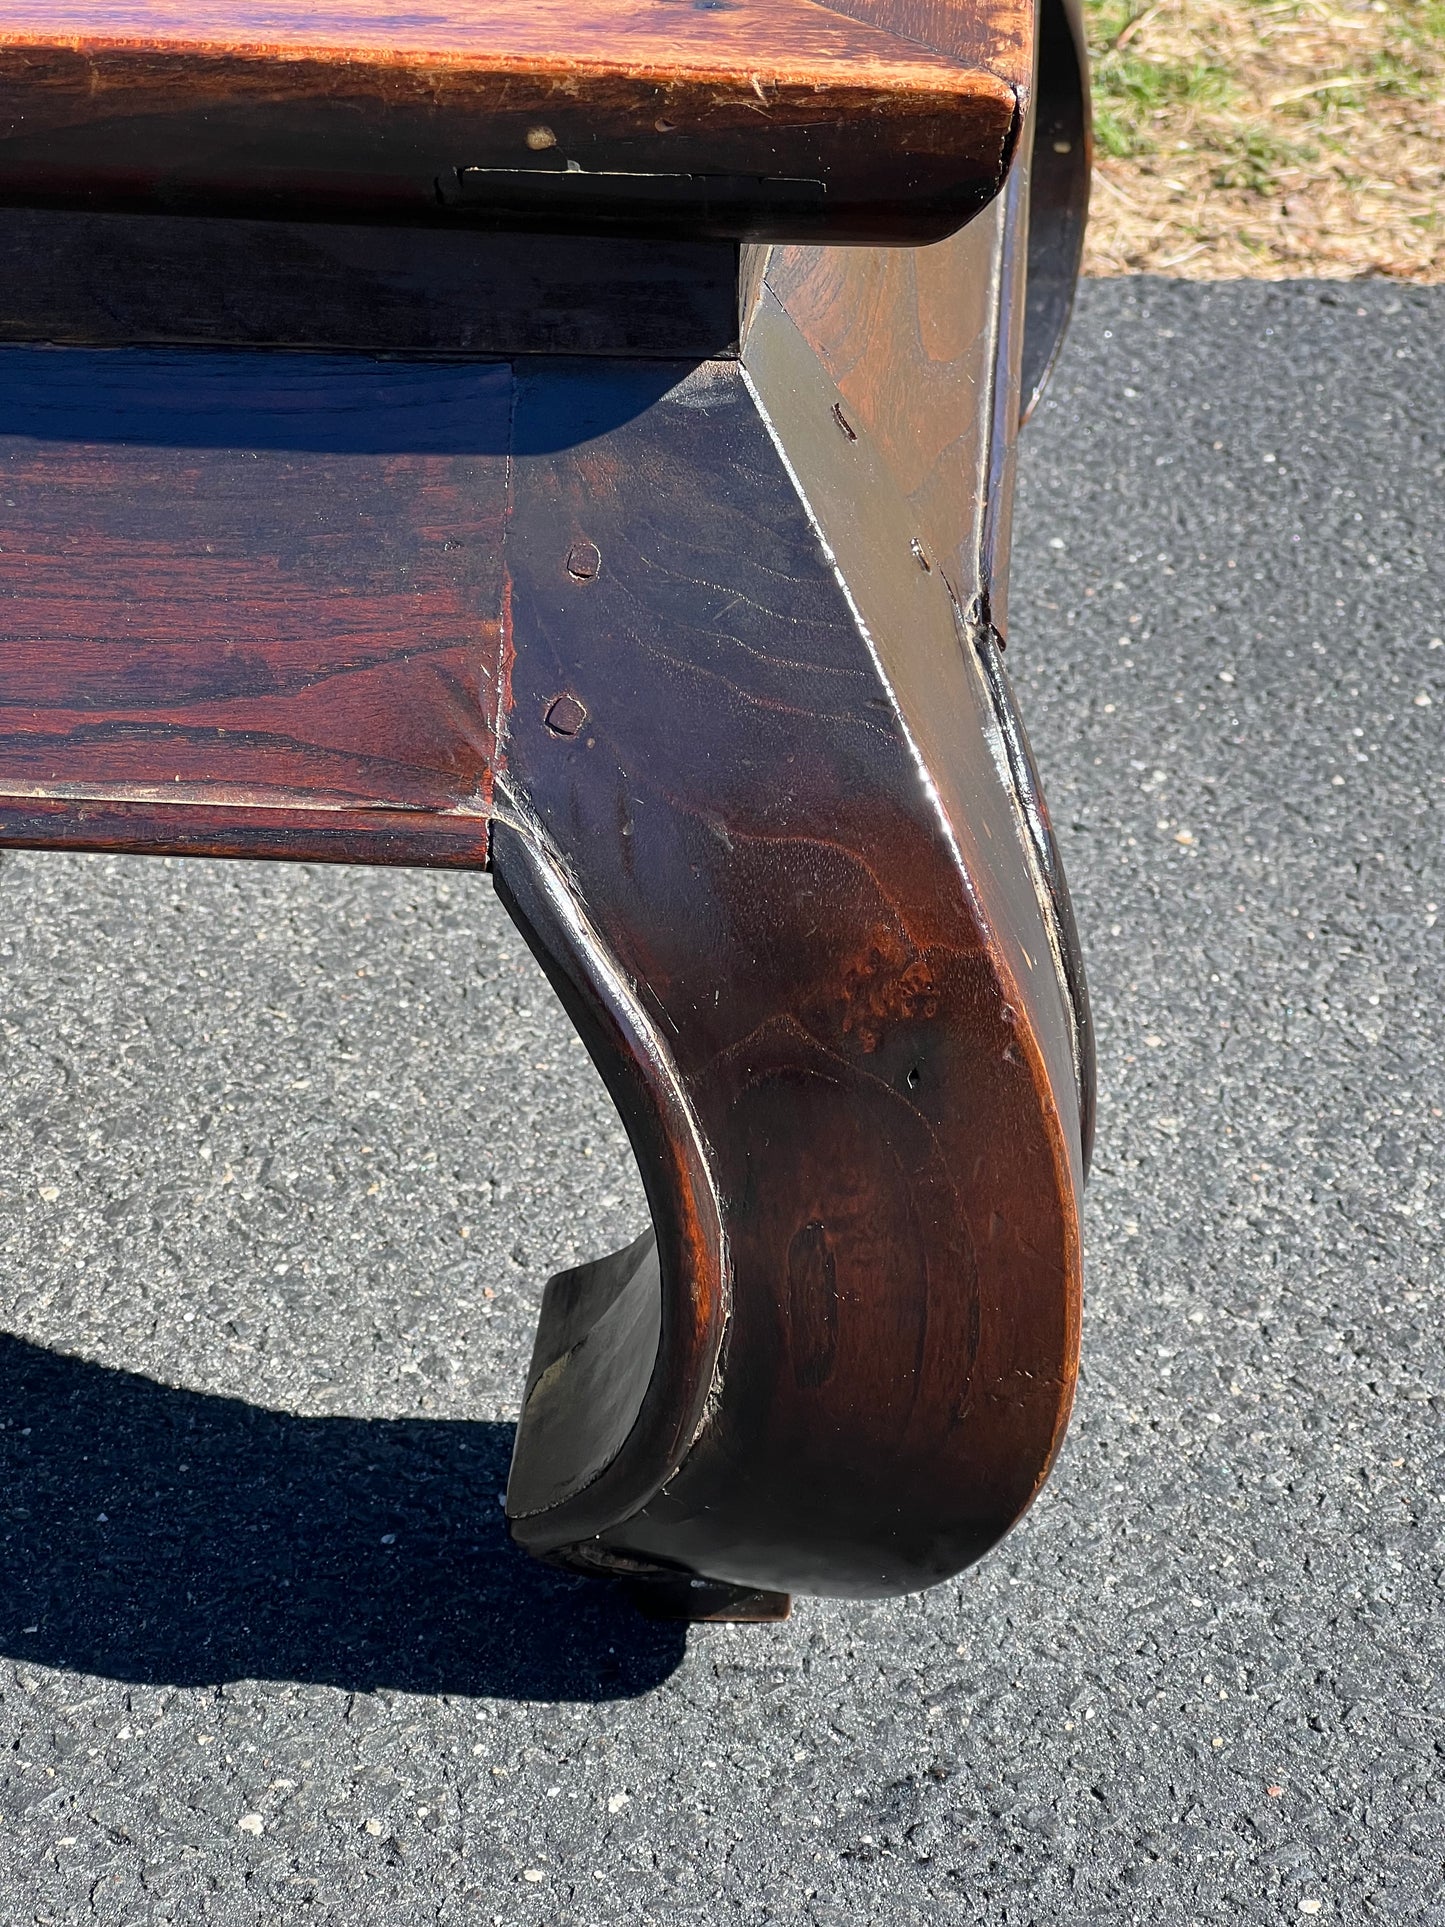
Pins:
x: 760, y: 824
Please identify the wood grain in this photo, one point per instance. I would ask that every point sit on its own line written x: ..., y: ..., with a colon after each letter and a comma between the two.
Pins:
x: 710, y: 644
x: 757, y: 875
x: 949, y: 27
x: 795, y: 42
x: 919, y: 353
x: 758, y: 118
x: 906, y: 336
x: 935, y: 648
x: 232, y: 583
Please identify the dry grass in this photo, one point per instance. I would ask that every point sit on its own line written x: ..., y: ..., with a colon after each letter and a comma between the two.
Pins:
x: 1293, y: 137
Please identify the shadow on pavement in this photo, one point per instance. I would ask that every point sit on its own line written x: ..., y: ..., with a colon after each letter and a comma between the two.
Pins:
x: 175, y: 1538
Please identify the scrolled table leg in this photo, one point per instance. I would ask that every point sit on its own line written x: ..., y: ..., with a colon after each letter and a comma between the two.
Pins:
x: 776, y: 910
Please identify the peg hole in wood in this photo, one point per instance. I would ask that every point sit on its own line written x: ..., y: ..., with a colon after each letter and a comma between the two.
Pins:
x: 564, y: 715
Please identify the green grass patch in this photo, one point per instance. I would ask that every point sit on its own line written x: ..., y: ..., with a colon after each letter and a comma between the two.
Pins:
x: 1132, y: 92
x: 1253, y: 159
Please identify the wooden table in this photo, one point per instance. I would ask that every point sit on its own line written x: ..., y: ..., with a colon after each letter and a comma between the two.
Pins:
x: 578, y: 443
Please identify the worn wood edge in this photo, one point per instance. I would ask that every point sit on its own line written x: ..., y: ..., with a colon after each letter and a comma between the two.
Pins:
x: 912, y: 74
x: 406, y: 839
x: 672, y: 1157
x: 699, y: 1521
x: 796, y: 400
x: 946, y: 26
x: 593, y: 1357
x: 875, y: 152
x: 707, y: 1602
x: 776, y: 379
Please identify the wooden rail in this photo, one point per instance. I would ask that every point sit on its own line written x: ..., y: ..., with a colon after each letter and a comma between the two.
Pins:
x: 877, y: 119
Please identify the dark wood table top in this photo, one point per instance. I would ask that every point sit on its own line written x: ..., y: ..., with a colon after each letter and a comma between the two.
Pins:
x: 790, y: 40
x: 861, y: 119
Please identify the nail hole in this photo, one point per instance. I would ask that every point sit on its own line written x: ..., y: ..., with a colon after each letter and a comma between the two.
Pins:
x: 921, y: 558
x: 914, y: 1078
x: 564, y: 715
x: 584, y: 559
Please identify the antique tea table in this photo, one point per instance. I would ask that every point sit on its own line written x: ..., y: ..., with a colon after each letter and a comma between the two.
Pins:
x: 576, y: 441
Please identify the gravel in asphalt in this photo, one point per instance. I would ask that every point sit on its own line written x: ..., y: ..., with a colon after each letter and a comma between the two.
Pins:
x: 288, y: 1154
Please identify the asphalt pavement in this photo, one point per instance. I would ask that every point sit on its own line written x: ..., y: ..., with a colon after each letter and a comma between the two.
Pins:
x: 287, y: 1154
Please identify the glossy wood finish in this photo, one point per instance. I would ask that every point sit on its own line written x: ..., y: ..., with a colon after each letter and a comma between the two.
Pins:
x: 913, y: 606
x: 915, y: 355
x: 250, y: 602
x: 755, y: 119
x: 869, y: 1264
x: 686, y: 610
x: 906, y: 337
x: 880, y: 1185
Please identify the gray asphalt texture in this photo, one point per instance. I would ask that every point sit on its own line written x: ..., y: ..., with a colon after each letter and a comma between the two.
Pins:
x: 287, y: 1155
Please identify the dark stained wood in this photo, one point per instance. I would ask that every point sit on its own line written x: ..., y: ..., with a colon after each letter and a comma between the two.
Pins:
x: 873, y: 1276
x: 293, y: 832
x: 906, y: 336
x: 758, y: 119
x: 685, y: 1596
x: 923, y: 476
x: 704, y: 653
x: 118, y: 279
x: 947, y: 26
x: 596, y: 1343
x: 233, y: 584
